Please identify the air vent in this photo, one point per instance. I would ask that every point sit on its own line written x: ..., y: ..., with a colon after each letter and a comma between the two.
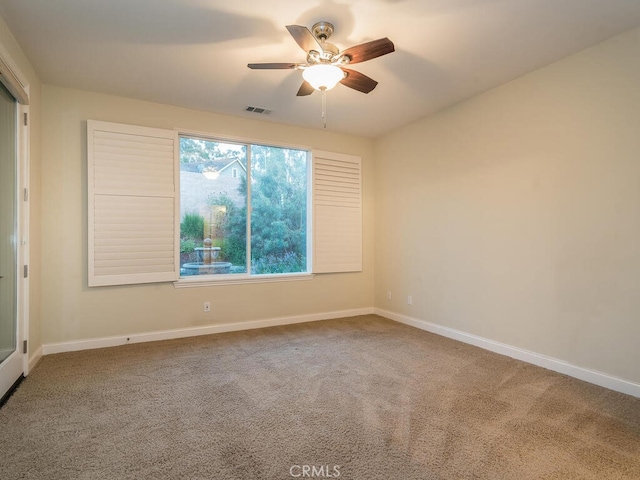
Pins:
x: 261, y: 110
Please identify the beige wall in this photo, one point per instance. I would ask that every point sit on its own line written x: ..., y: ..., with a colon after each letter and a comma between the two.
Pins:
x: 515, y: 215
x: 72, y: 311
x: 17, y: 55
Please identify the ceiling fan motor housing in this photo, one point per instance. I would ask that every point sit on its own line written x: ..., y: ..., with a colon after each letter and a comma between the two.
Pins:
x: 322, y: 31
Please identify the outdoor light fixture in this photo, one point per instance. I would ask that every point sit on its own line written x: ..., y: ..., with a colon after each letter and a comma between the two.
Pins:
x: 323, y: 76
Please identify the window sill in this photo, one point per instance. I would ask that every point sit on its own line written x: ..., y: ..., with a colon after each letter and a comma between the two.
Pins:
x: 210, y: 280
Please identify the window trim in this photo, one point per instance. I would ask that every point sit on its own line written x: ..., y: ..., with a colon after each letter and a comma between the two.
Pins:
x: 245, y: 278
x: 208, y: 280
x: 313, y: 240
x: 215, y: 137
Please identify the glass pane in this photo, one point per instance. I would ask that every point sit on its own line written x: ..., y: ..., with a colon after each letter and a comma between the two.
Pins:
x: 213, y: 207
x: 8, y: 269
x: 278, y: 210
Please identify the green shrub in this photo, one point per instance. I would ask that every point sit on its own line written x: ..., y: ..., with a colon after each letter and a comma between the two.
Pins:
x: 187, y: 245
x: 290, y: 262
x: 192, y: 226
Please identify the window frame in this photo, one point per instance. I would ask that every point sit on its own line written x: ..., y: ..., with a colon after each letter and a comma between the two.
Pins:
x: 248, y: 277
x: 334, y: 211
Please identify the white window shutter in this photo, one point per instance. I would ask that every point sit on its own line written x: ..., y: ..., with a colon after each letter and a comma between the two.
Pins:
x: 133, y: 192
x: 337, y: 212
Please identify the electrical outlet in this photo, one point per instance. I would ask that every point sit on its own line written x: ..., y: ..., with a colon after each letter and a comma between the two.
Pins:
x: 207, y: 306
x: 389, y: 295
x: 409, y: 300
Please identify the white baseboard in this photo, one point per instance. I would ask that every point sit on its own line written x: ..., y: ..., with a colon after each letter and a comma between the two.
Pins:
x: 34, y: 359
x: 115, y: 341
x: 560, y: 366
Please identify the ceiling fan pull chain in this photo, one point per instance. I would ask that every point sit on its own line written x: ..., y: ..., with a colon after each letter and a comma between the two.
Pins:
x: 324, y: 107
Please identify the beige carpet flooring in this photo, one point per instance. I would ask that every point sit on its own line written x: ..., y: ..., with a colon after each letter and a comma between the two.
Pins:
x: 363, y: 398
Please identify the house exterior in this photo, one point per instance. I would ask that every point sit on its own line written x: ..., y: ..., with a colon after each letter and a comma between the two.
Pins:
x: 233, y: 168
x: 200, y: 182
x: 225, y: 167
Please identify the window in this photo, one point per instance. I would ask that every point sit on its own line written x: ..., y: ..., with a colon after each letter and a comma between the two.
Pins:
x: 164, y: 207
x: 220, y: 182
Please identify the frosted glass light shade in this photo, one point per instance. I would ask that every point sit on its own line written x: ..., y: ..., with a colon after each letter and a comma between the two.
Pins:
x: 323, y: 77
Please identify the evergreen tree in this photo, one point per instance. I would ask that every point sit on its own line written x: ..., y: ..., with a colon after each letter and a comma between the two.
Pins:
x: 279, y: 202
x: 278, y: 213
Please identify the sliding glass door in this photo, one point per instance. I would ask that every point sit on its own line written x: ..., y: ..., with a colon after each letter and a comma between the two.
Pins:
x: 11, y: 366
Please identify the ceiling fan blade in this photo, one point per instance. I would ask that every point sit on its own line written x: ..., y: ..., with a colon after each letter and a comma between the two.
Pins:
x: 305, y: 89
x: 369, y: 50
x: 264, y: 66
x: 303, y: 36
x: 358, y: 81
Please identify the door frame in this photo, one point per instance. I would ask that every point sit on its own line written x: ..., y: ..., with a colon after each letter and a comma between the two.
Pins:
x: 23, y: 193
x: 13, y: 79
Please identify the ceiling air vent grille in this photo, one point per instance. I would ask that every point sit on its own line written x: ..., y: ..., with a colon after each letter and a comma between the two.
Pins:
x: 260, y: 110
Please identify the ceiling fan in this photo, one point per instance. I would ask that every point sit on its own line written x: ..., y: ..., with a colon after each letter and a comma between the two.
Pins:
x: 325, y: 65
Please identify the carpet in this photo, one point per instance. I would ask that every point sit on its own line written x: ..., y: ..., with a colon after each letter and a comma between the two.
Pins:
x: 361, y: 398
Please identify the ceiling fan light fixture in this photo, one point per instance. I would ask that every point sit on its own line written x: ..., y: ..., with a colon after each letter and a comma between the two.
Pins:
x: 323, y: 76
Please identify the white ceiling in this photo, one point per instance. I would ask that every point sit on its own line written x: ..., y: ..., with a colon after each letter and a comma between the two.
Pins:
x: 194, y: 53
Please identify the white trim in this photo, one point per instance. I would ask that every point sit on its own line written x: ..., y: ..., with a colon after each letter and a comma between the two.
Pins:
x: 10, y: 370
x: 24, y: 215
x: 115, y: 341
x: 35, y: 358
x: 210, y: 280
x: 248, y: 208
x: 12, y: 77
x: 221, y: 137
x: 248, y: 277
x: 550, y: 363
x: 310, y: 245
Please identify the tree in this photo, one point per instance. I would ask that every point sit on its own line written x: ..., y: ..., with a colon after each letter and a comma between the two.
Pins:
x: 278, y: 200
x: 278, y: 212
x: 196, y: 150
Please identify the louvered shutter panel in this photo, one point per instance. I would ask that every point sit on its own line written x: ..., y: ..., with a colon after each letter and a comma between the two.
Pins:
x: 337, y: 213
x: 133, y: 204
